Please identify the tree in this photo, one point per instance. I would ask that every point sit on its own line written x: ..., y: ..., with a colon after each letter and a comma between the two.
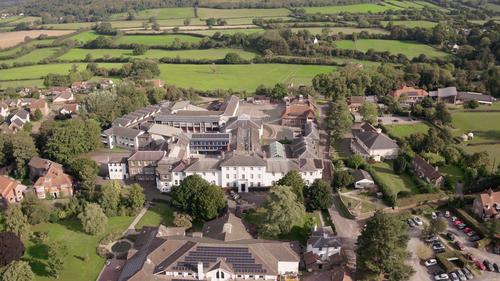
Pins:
x: 16, y: 221
x: 424, y: 252
x: 400, y: 165
x: 17, y: 271
x: 281, y: 212
x: 20, y: 149
x: 279, y: 92
x: 471, y: 104
x: 438, y: 225
x: 139, y: 49
x: 110, y: 197
x: 135, y: 199
x: 37, y: 115
x: 382, y: 248
x: 93, y: 219
x: 294, y: 180
x: 85, y: 171
x: 11, y: 248
x: 36, y: 210
x: 318, y: 196
x: 105, y: 28
x: 57, y: 254
x: 233, y: 58
x: 342, y: 178
x: 442, y: 114
x: 183, y: 220
x: 356, y: 161
x: 200, y: 199
x: 369, y: 111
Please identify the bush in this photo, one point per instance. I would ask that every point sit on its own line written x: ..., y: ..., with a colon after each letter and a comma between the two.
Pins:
x: 448, y: 266
x: 471, y: 222
x: 104, y: 253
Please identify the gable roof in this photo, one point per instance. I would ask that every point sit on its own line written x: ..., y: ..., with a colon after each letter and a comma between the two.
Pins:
x: 226, y: 228
x: 7, y: 186
x: 373, y: 139
x: 410, y: 92
x: 492, y: 200
x: 123, y: 132
x: 23, y: 114
x: 241, y: 160
x: 361, y: 175
x: 147, y: 156
x: 38, y: 104
x: 427, y: 169
x: 444, y: 92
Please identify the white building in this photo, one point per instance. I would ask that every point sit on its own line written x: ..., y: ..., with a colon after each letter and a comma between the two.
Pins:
x: 121, y: 137
x: 117, y: 168
x: 323, y: 243
x: 370, y: 142
x: 362, y: 179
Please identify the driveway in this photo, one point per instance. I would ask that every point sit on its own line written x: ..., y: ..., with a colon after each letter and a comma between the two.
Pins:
x: 348, y: 231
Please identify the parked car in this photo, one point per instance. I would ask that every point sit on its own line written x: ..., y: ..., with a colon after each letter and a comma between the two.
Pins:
x: 471, y: 233
x: 454, y: 277
x: 480, y: 265
x: 467, y: 230
x: 439, y: 214
x: 461, y: 275
x: 474, y: 238
x: 488, y: 265
x: 471, y: 257
x: 434, y: 216
x: 457, y: 222
x: 417, y: 221
x: 438, y: 248
x: 430, y: 262
x: 495, y: 266
x: 442, y: 276
x: 461, y: 226
x: 411, y: 223
x: 447, y: 214
x: 431, y: 239
x: 459, y: 245
x: 453, y: 218
x: 450, y: 236
x: 468, y: 273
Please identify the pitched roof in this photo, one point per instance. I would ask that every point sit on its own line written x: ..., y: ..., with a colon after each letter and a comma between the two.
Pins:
x: 277, y: 150
x: 38, y: 104
x: 40, y: 163
x: 470, y: 96
x: 54, y: 177
x: 147, y: 156
x: 235, y: 160
x: 492, y: 200
x: 311, y: 131
x: 357, y: 99
x: 23, y: 114
x: 7, y: 186
x: 123, y: 132
x: 203, y: 165
x: 226, y: 228
x: 361, y: 175
x: 323, y: 237
x: 427, y: 169
x: 373, y: 139
x: 230, y: 106
x: 444, y: 92
x: 409, y: 91
x: 164, y: 130
x: 243, y: 121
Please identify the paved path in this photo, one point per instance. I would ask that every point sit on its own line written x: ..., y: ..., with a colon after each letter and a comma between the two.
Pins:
x: 348, y: 232
x: 137, y: 219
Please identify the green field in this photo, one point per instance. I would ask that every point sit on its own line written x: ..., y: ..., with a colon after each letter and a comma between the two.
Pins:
x: 452, y: 171
x: 211, y: 32
x: 160, y: 213
x: 409, y: 49
x: 13, y: 50
x: 395, y: 182
x: 239, y: 77
x: 205, y: 13
x: 405, y: 130
x: 163, y: 39
x: 82, y: 263
x: 85, y: 36
x: 22, y: 83
x: 337, y: 30
x: 412, y: 23
x: 79, y: 54
x: 354, y: 8
x: 484, y: 125
x: 33, y: 56
x: 38, y: 71
x: 159, y: 14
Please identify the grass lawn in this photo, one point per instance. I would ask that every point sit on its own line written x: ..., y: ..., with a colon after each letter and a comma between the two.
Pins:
x: 22, y: 83
x: 205, y: 13
x: 405, y: 130
x: 412, y: 23
x: 396, y: 182
x: 38, y: 71
x: 453, y: 171
x: 159, y: 14
x: 484, y: 125
x: 86, y: 36
x: 345, y: 30
x: 33, y: 56
x: 80, y: 246
x: 211, y: 32
x: 407, y: 48
x: 79, y: 54
x: 354, y: 8
x: 493, y: 151
x: 160, y: 213
x: 163, y: 39
x: 238, y: 77
x: 355, y: 205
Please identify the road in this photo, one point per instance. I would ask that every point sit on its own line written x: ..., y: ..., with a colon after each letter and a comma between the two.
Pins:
x: 348, y: 231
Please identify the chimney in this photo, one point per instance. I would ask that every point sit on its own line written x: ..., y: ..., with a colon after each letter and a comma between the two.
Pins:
x: 201, y: 275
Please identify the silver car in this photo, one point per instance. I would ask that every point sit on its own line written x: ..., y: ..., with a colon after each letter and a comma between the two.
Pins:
x: 454, y: 276
x: 461, y: 275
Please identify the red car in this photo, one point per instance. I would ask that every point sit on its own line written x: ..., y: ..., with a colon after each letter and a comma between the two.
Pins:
x: 472, y: 257
x: 467, y: 230
x: 480, y: 265
x: 459, y: 245
x: 457, y: 222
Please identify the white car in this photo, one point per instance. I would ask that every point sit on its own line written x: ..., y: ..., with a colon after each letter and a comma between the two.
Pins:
x: 417, y: 220
x: 443, y: 276
x: 430, y: 262
x: 447, y: 214
x: 434, y: 215
x: 454, y: 277
x: 461, y: 275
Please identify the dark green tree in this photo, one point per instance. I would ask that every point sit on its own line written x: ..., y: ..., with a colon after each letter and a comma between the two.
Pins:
x: 139, y: 49
x: 318, y: 196
x: 281, y: 212
x: 135, y: 198
x: 57, y: 255
x: 16, y: 222
x: 342, y: 178
x: 36, y: 210
x: 110, y: 197
x: 93, y: 219
x: 294, y: 180
x: 279, y: 92
x: 85, y: 171
x: 338, y: 120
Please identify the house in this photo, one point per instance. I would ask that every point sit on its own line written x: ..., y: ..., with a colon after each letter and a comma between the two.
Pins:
x: 41, y: 105
x: 298, y: 112
x: 355, y: 102
x: 64, y: 97
x: 322, y: 245
x: 69, y: 109
x: 55, y: 91
x: 50, y: 178
x: 11, y: 191
x: 28, y: 91
x: 117, y: 168
x: 370, y: 142
x: 259, y: 99
x: 82, y: 87
x: 446, y: 95
x: 4, y: 110
x: 162, y: 254
x: 464, y: 97
x: 122, y: 137
x: 427, y: 171
x: 487, y: 205
x: 142, y: 165
x: 18, y: 120
x: 409, y: 95
x: 362, y: 179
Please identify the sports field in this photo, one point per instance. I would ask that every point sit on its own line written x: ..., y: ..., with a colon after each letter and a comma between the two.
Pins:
x: 159, y: 14
x: 80, y: 54
x: 33, y: 56
x: 205, y: 13
x: 239, y: 77
x: 163, y: 39
x: 407, y: 48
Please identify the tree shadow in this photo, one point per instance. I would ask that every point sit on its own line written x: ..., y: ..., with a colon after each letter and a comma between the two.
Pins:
x: 38, y: 267
x: 38, y: 251
x: 73, y: 225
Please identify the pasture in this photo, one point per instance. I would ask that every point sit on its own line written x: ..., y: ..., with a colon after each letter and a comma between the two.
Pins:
x: 405, y: 130
x: 205, y: 13
x: 337, y: 30
x: 163, y: 39
x: 9, y: 39
x: 354, y: 8
x: 407, y: 48
x: 34, y: 56
x: 85, y: 36
x: 21, y: 83
x: 231, y: 31
x: 239, y: 77
x: 412, y: 23
x: 39, y: 71
x: 484, y: 125
x: 213, y: 54
x: 159, y: 14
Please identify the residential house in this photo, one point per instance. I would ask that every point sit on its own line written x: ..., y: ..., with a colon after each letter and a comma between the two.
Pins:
x: 322, y: 245
x: 142, y: 165
x: 298, y: 112
x: 69, y: 109
x: 41, y: 105
x: 362, y: 179
x: 427, y: 171
x: 355, y: 102
x: 11, y: 191
x: 82, y: 87
x: 65, y: 97
x: 160, y: 253
x: 370, y: 142
x: 259, y: 99
x: 409, y: 95
x: 28, y: 91
x: 122, y: 137
x: 446, y: 95
x: 464, y: 97
x: 50, y: 178
x: 55, y: 91
x: 487, y: 205
x: 4, y: 109
x: 18, y: 120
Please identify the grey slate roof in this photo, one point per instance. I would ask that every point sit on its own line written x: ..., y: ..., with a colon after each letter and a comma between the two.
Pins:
x: 123, y: 132
x: 243, y: 160
x: 164, y: 130
x: 182, y: 118
x: 23, y: 114
x: 243, y: 121
x: 361, y: 175
x: 323, y: 238
x: 428, y: 170
x: 469, y: 96
x: 277, y: 150
x: 374, y: 140
x: 311, y: 130
x: 230, y: 106
x: 444, y: 92
x: 226, y: 228
x: 147, y: 156
x: 203, y: 165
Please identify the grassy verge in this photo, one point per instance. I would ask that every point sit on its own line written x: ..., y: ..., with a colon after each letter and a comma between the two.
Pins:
x: 158, y: 214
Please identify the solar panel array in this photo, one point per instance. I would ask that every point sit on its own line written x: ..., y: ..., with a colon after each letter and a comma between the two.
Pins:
x: 239, y: 257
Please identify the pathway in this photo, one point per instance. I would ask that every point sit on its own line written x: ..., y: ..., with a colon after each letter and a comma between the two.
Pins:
x: 136, y: 220
x: 348, y: 232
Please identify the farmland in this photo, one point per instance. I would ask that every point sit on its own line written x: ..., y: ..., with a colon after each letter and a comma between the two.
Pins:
x: 409, y: 49
x: 205, y: 13
x: 79, y: 54
x: 85, y: 36
x: 10, y: 39
x: 354, y: 8
x: 38, y: 71
x: 336, y: 30
x: 33, y: 56
x: 159, y: 14
x: 413, y: 23
x: 164, y: 39
x: 211, y: 32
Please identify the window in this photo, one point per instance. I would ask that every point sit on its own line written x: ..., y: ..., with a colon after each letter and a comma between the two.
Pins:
x: 227, y: 176
x: 243, y: 176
